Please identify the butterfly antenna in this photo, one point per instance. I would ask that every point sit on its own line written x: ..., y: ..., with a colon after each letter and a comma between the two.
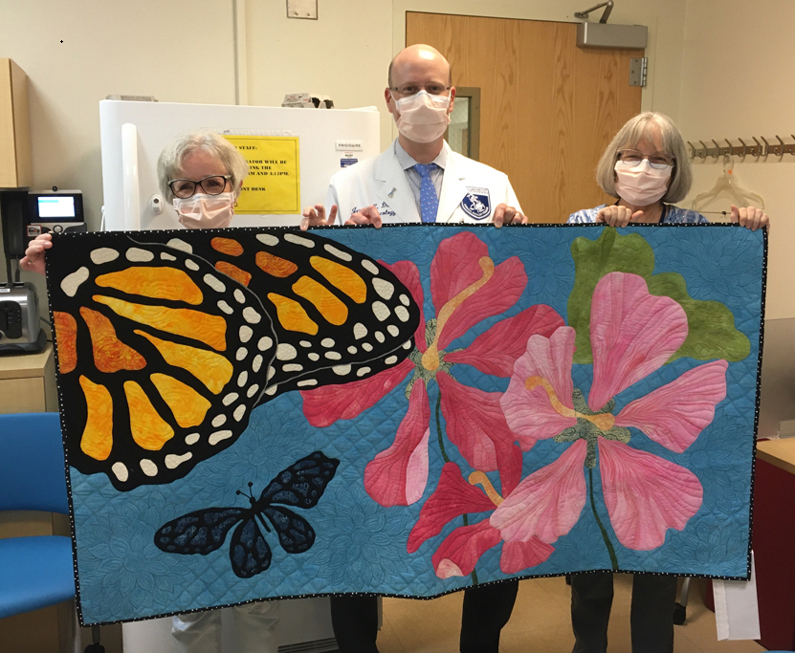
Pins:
x: 249, y: 494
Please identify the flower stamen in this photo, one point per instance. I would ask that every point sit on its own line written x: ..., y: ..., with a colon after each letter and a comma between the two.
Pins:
x: 476, y: 478
x: 430, y: 359
x: 603, y: 421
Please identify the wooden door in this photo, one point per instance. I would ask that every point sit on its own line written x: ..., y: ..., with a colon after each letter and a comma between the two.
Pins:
x: 548, y: 108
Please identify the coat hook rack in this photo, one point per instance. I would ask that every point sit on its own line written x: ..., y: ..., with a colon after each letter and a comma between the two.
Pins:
x: 759, y: 149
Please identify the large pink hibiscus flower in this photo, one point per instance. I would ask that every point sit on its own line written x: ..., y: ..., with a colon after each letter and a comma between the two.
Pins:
x: 633, y: 333
x: 466, y: 288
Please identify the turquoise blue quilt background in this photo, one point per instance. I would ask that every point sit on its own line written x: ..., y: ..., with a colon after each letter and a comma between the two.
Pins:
x: 361, y: 546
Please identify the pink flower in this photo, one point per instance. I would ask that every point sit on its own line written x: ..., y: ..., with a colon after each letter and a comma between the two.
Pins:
x: 633, y: 333
x: 466, y: 288
x: 544, y: 506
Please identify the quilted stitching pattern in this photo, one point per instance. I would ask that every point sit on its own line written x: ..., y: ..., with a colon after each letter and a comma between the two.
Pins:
x: 362, y: 546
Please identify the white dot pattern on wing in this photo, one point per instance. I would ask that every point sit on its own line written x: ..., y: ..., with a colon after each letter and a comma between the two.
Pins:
x: 371, y: 267
x: 104, y: 255
x: 343, y: 256
x: 215, y: 283
x: 148, y: 467
x: 72, y: 282
x: 299, y: 240
x: 268, y: 239
x: 381, y: 311
x: 286, y: 352
x: 138, y: 255
x: 181, y: 245
x: 384, y: 288
x: 219, y: 436
x: 173, y: 460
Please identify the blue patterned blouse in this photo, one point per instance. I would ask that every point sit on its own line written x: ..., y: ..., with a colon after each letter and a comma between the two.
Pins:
x: 671, y: 214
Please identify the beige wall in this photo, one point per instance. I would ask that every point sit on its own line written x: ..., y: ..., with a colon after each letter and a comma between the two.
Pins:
x: 147, y: 47
x: 735, y: 83
x: 344, y: 54
x: 718, y: 73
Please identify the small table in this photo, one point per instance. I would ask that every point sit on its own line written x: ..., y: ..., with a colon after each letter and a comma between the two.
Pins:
x: 27, y: 382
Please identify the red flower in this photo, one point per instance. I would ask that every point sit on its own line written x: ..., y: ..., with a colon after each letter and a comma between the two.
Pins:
x: 466, y: 288
x: 458, y: 554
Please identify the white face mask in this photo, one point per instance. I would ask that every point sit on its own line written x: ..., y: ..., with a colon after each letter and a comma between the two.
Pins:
x: 641, y: 185
x: 423, y: 117
x: 201, y: 211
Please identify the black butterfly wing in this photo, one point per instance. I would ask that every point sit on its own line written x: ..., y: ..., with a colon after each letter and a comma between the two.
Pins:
x: 338, y: 314
x: 302, y: 483
x: 248, y: 551
x: 200, y: 532
x: 296, y: 535
x: 227, y: 322
x: 161, y: 358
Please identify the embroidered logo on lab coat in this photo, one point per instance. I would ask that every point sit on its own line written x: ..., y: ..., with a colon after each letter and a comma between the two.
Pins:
x: 477, y: 203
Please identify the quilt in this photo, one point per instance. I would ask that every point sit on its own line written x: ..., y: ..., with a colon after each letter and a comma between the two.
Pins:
x: 409, y: 411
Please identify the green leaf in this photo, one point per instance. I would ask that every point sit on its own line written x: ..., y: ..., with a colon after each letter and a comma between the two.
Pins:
x: 711, y: 332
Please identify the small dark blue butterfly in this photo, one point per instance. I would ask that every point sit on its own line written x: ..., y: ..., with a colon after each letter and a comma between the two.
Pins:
x: 300, y: 485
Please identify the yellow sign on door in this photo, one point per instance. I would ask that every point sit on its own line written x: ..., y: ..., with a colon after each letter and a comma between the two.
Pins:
x: 273, y: 184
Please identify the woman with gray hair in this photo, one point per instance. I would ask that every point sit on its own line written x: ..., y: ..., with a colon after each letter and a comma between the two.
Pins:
x: 202, y: 174
x: 645, y: 168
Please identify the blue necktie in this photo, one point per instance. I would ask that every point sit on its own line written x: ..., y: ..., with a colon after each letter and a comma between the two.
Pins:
x: 429, y: 202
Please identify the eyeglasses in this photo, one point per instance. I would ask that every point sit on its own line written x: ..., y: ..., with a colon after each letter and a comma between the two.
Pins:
x: 658, y: 160
x: 412, y: 89
x: 212, y: 185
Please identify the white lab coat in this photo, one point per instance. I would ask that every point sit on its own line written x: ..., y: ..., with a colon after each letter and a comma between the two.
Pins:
x: 382, y: 182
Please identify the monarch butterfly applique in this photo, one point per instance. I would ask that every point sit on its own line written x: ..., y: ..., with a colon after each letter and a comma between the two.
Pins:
x: 299, y: 486
x: 165, y: 347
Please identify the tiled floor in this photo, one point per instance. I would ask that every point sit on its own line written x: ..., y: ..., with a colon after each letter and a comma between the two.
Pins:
x: 540, y: 623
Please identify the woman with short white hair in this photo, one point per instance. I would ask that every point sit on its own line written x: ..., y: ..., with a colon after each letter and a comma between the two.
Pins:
x: 201, y: 174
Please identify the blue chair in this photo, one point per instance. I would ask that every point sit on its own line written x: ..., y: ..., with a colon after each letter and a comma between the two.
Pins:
x: 35, y: 571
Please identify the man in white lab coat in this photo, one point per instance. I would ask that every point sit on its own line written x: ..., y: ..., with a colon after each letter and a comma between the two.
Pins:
x: 445, y: 187
x: 419, y: 178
